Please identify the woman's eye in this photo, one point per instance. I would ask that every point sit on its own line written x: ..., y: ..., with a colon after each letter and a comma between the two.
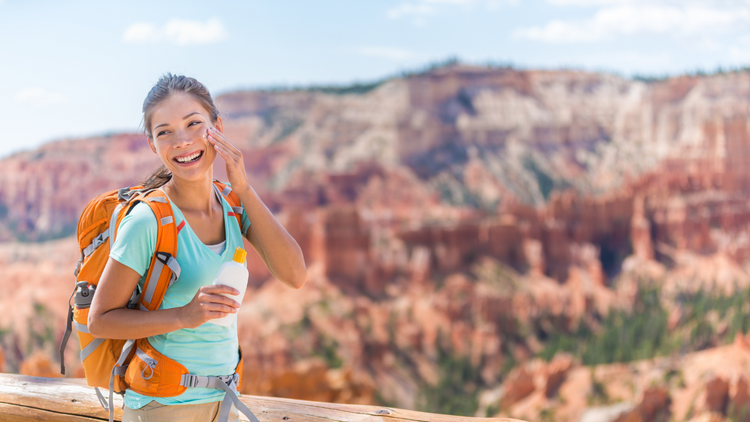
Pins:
x: 194, y: 123
x: 161, y: 133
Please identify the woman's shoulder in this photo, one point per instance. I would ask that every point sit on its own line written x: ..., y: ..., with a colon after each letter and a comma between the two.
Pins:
x: 136, y: 238
x: 140, y: 215
x: 142, y: 211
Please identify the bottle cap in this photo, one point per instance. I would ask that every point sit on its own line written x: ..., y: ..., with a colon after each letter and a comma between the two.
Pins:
x: 239, y: 256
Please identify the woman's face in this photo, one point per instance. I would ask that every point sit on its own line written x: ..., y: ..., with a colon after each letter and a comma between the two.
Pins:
x: 178, y: 131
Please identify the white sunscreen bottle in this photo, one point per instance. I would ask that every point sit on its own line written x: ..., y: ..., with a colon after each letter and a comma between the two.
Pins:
x: 233, y: 274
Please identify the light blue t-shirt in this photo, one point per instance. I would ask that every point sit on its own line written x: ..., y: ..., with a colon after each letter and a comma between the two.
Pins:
x: 209, y: 349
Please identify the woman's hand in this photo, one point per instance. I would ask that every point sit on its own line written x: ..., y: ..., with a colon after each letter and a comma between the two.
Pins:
x: 233, y: 156
x: 208, y: 304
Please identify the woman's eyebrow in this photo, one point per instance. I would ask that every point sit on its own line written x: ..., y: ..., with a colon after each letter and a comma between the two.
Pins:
x: 195, y: 112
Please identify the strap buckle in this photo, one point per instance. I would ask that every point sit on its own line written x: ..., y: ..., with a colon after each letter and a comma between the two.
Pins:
x: 95, y: 243
x: 98, y: 240
x: 163, y: 257
x: 230, y: 380
x: 189, y: 380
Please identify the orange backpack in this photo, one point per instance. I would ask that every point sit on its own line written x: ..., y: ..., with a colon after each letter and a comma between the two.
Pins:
x: 121, y: 364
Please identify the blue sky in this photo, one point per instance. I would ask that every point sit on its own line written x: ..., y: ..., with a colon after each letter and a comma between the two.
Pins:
x: 82, y: 68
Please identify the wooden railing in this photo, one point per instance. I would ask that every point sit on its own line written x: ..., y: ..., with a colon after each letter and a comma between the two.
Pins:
x: 24, y: 398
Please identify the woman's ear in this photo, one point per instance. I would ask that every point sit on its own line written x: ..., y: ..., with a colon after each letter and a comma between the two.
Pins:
x: 151, y: 144
x: 219, y: 124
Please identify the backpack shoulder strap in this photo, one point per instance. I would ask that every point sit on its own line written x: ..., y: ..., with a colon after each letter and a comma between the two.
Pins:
x: 232, y: 199
x: 164, y: 269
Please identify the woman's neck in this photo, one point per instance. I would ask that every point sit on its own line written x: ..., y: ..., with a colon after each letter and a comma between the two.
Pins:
x: 192, y: 196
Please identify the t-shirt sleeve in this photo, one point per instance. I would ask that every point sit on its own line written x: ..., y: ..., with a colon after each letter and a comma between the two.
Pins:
x: 136, y: 239
x: 245, y: 222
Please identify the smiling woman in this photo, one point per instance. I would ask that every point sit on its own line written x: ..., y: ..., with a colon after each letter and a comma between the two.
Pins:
x: 184, y: 129
x: 185, y: 91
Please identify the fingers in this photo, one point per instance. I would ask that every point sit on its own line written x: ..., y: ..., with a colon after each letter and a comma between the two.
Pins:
x: 220, y: 289
x: 209, y: 303
x: 212, y: 296
x: 207, y: 299
x: 211, y: 308
x: 218, y: 139
x: 231, y: 155
x: 225, y: 154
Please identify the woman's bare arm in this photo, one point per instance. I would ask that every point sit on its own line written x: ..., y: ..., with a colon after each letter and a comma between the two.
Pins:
x: 278, y: 249
x: 280, y: 252
x: 109, y: 317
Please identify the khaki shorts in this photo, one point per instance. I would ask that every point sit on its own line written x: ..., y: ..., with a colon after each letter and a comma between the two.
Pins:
x: 156, y: 412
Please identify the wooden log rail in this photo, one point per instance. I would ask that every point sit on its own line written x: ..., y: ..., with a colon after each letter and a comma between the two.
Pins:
x: 24, y: 398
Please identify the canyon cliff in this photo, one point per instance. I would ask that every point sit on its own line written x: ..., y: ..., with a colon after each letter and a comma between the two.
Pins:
x: 454, y: 223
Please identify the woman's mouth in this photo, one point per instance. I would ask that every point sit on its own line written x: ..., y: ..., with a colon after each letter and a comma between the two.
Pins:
x: 189, y: 158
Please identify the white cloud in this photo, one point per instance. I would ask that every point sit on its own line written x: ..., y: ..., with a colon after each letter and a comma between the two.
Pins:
x: 418, y: 10
x: 142, y: 33
x: 38, y: 96
x: 184, y: 32
x: 627, y: 20
x: 176, y: 31
x: 410, y: 10
x: 390, y: 53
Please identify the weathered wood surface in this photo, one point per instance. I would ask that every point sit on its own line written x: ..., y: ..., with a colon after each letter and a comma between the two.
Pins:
x: 24, y: 398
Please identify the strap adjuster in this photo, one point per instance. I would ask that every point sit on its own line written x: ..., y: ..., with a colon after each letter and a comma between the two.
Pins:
x: 163, y: 257
x: 98, y: 240
x: 190, y: 380
x: 95, y: 243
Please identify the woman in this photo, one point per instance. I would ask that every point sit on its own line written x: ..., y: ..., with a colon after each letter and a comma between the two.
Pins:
x: 185, y: 131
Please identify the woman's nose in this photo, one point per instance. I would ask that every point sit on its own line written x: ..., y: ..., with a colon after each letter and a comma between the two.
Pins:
x: 184, y: 138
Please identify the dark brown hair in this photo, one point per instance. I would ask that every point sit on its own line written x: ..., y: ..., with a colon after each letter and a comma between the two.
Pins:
x: 164, y: 88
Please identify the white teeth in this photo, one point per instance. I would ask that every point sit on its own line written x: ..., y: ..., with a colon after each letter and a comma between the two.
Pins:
x: 188, y: 158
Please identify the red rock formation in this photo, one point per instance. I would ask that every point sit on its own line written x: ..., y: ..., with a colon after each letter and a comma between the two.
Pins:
x: 717, y: 395
x: 739, y: 401
x: 39, y: 365
x: 556, y: 373
x: 640, y: 231
x: 345, y: 246
x: 518, y: 386
x: 43, y: 192
x: 654, y: 407
x: 312, y: 380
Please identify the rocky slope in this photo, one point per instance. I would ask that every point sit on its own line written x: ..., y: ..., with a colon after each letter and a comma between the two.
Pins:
x: 707, y: 385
